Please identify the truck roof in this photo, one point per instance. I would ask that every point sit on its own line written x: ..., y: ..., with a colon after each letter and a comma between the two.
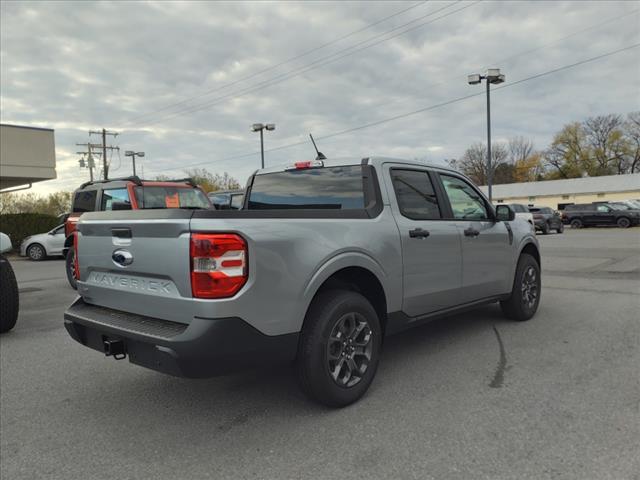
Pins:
x: 341, y: 161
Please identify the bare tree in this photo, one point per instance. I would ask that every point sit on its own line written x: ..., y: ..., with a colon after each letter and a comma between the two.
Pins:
x: 474, y: 162
x: 606, y: 142
x: 631, y: 129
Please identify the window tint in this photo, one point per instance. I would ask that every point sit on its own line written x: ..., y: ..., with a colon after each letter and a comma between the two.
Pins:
x: 415, y: 194
x: 314, y: 188
x: 603, y: 208
x: 465, y: 201
x: 114, y: 195
x: 84, y: 201
x: 516, y: 207
x: 171, y: 197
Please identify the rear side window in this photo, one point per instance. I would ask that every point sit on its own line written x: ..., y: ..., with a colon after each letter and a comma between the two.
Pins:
x: 110, y: 196
x: 84, y: 201
x: 338, y: 188
x: 416, y: 198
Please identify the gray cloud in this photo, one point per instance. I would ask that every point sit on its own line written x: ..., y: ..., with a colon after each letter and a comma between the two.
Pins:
x: 82, y: 65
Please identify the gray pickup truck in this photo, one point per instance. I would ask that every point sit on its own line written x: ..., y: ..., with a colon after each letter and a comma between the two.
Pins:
x: 323, y: 260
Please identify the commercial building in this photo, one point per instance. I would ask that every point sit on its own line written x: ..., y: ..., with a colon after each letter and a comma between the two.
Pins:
x: 558, y: 193
x: 27, y: 155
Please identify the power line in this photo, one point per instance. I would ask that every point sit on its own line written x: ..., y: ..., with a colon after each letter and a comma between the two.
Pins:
x: 314, y: 65
x: 284, y: 62
x: 431, y: 107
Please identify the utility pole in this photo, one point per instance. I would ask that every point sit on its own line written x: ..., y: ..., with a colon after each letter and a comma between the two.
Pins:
x: 104, y: 133
x: 90, y: 164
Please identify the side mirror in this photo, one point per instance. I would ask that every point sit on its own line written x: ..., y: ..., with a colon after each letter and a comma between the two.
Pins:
x: 504, y: 213
x: 120, y: 206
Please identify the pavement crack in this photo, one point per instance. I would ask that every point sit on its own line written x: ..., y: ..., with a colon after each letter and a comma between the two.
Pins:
x: 498, y: 376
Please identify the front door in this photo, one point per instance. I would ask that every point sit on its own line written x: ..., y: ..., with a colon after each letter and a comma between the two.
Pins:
x: 431, y: 246
x: 486, y: 244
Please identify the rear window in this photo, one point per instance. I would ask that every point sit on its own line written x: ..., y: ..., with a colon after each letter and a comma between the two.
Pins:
x: 170, y: 197
x: 84, y: 201
x: 314, y: 188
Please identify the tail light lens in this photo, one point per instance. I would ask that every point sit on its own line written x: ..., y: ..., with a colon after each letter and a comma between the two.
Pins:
x: 76, y: 265
x: 218, y: 264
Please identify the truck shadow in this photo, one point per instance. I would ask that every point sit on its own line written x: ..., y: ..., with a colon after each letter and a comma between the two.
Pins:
x: 217, y: 406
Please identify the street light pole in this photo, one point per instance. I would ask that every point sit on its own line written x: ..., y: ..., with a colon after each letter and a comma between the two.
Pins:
x: 260, y: 127
x: 493, y: 76
x: 489, y: 171
x: 262, y: 147
x: 132, y: 154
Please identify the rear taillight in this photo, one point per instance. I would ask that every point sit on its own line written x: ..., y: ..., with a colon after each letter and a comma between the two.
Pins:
x: 76, y: 265
x: 218, y: 264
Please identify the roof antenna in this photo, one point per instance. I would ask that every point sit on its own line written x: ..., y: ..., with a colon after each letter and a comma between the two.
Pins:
x: 320, y: 155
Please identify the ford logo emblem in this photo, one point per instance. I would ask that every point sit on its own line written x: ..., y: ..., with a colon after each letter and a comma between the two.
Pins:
x: 122, y: 258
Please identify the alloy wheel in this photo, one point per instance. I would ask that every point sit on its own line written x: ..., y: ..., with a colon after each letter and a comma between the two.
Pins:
x: 529, y: 287
x: 349, y: 349
x: 36, y: 252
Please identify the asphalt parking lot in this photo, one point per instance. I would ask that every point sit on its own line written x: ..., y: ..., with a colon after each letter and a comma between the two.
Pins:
x: 472, y: 396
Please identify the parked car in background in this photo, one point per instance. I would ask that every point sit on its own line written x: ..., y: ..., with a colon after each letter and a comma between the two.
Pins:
x: 325, y: 260
x: 9, y: 296
x: 601, y: 214
x: 522, y: 211
x: 227, y: 200
x: 129, y: 193
x: 43, y: 245
x: 546, y: 219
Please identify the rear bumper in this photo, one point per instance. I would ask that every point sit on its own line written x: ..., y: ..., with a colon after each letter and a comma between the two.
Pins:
x: 204, y: 348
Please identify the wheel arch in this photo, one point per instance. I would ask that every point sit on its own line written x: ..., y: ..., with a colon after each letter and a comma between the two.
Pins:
x: 358, y: 273
x: 531, y: 249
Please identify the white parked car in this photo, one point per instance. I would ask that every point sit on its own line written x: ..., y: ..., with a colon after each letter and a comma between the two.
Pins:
x: 522, y: 211
x: 43, y: 245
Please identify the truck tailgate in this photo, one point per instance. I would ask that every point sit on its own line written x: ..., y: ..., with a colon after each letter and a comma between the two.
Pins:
x: 137, y: 261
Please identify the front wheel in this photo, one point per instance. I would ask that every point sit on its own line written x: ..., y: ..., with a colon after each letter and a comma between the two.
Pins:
x: 523, y: 302
x: 339, y: 348
x: 545, y: 228
x: 560, y: 228
x: 36, y: 252
x: 624, y: 222
x: 70, y: 267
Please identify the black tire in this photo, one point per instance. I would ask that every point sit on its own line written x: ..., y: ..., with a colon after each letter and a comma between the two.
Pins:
x: 545, y: 228
x: 36, y: 252
x: 71, y: 271
x: 623, y: 222
x: 576, y: 223
x: 328, y: 311
x: 519, y: 305
x: 9, y: 297
x: 560, y: 228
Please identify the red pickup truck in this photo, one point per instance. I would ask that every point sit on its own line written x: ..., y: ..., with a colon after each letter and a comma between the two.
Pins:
x: 129, y: 193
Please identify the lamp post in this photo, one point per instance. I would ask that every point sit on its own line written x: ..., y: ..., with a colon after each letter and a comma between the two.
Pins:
x: 493, y: 76
x: 259, y: 127
x: 133, y: 155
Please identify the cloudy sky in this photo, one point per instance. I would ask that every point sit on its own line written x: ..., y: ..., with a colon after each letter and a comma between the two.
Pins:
x: 185, y: 81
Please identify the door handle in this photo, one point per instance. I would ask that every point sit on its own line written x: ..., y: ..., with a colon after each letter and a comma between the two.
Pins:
x: 418, y: 233
x: 471, y: 232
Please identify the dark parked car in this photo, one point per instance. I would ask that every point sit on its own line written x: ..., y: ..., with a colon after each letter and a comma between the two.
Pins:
x: 227, y: 200
x: 600, y: 214
x: 546, y: 219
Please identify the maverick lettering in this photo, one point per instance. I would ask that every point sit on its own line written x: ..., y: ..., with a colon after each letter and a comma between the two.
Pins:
x: 131, y: 283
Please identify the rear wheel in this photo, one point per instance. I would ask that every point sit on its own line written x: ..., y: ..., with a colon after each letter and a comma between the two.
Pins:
x: 624, y: 222
x: 9, y: 297
x: 576, y: 223
x: 339, y: 348
x: 525, y: 294
x: 545, y: 228
x: 36, y: 252
x: 70, y: 267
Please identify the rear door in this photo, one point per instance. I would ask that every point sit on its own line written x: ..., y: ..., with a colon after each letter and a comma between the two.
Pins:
x: 486, y: 244
x: 136, y: 261
x: 431, y: 250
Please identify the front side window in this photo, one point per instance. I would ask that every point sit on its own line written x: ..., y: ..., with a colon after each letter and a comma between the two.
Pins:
x: 84, y: 201
x: 465, y: 200
x: 339, y: 188
x: 416, y: 197
x: 603, y: 208
x: 119, y: 195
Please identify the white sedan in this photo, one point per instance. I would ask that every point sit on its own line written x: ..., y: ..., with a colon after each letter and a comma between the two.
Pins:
x: 43, y: 245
